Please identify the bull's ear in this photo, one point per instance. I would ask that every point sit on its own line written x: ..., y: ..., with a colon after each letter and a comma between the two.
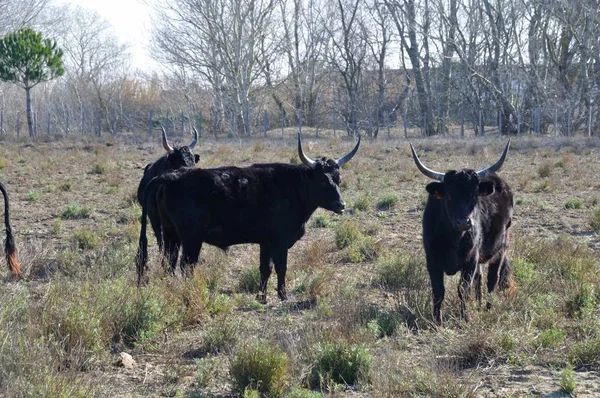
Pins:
x: 435, y: 189
x: 486, y: 188
x: 196, y: 158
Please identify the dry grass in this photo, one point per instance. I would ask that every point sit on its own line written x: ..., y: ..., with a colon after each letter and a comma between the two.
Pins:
x: 357, y: 283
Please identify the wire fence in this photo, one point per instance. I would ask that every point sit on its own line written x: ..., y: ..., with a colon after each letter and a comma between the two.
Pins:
x: 544, y: 121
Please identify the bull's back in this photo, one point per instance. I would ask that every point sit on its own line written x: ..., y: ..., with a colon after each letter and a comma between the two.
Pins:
x: 150, y: 171
x: 230, y: 205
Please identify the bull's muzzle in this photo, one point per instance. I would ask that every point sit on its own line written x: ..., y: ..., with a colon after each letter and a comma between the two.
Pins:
x: 463, y: 225
x: 339, y: 206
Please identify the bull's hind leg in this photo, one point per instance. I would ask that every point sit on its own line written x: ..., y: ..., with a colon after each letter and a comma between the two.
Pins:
x: 154, y: 217
x: 189, y: 255
x: 170, y: 249
x: 265, y: 272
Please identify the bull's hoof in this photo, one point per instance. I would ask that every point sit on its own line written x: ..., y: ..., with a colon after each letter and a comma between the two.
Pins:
x: 282, y: 295
x: 261, y: 298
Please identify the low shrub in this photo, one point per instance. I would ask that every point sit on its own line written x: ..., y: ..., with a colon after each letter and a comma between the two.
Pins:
x: 573, y: 204
x: 321, y: 221
x: 339, y: 363
x: 346, y: 233
x: 262, y: 367
x: 249, y: 280
x: 387, y: 201
x: 75, y: 211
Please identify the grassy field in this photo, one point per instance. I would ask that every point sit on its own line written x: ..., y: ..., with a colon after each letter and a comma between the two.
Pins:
x: 358, y: 319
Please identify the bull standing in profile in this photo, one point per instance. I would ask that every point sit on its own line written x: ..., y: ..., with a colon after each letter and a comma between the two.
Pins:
x: 267, y: 204
x: 10, y: 249
x: 174, y: 159
x: 465, y: 225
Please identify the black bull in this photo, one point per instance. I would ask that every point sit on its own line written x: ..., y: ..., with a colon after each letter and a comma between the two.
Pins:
x: 466, y: 223
x: 267, y: 204
x: 175, y: 158
x: 10, y: 250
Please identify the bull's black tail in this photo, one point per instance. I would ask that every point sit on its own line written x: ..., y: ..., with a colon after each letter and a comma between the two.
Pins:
x: 10, y: 249
x: 141, y: 259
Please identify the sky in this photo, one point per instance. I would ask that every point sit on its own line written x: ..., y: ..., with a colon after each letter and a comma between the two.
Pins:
x: 131, y: 20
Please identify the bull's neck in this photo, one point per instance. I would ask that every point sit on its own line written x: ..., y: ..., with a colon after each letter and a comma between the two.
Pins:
x: 309, y: 206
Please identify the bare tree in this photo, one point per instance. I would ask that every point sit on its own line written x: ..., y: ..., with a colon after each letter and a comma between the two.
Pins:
x: 20, y: 13
x: 220, y: 40
x: 347, y: 56
x: 96, y: 62
x: 404, y: 15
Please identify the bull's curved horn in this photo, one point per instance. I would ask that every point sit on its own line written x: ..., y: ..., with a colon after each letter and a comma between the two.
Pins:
x: 496, y: 166
x: 350, y: 155
x: 195, y: 139
x: 165, y: 142
x: 428, y: 172
x: 305, y: 159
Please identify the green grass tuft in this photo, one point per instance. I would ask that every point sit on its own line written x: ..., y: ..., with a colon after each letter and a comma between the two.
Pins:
x: 573, y: 204
x: 260, y: 366
x: 387, y: 201
x: 339, y: 363
x: 567, y: 380
x: 75, y: 211
x: 595, y: 220
x: 321, y: 221
x: 346, y: 233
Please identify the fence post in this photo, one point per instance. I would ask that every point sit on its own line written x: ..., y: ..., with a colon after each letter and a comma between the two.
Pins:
x: 48, y: 124
x: 333, y: 121
x: 1, y: 121
x: 589, y: 121
x: 199, y: 122
x: 67, y: 125
x: 424, y: 130
x: 481, y: 122
x: 150, y: 124
x: 499, y: 123
x: 568, y: 124
x: 462, y: 122
x: 282, y: 121
x: 405, y: 122
x: 18, y: 125
x: 266, y: 122
x: 536, y: 120
x: 99, y: 125
x: 316, y: 118
x: 387, y: 122
x: 444, y: 125
x: 182, y: 124
x: 518, y: 123
x: 556, y: 121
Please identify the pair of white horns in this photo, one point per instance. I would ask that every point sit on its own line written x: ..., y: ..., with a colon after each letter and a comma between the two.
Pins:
x: 169, y: 148
x: 311, y: 163
x: 440, y: 176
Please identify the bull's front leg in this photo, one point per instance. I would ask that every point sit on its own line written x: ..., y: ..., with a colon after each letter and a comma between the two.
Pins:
x: 467, y: 277
x: 265, y: 272
x: 279, y: 254
x: 437, y: 288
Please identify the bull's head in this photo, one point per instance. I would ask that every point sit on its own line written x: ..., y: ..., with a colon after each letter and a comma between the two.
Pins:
x: 182, y: 156
x: 460, y: 190
x: 326, y: 179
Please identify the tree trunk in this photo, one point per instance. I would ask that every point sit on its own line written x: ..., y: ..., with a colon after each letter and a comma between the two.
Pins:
x: 29, y: 111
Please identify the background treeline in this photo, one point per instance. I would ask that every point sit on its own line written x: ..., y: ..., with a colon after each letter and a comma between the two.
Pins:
x: 245, y: 67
